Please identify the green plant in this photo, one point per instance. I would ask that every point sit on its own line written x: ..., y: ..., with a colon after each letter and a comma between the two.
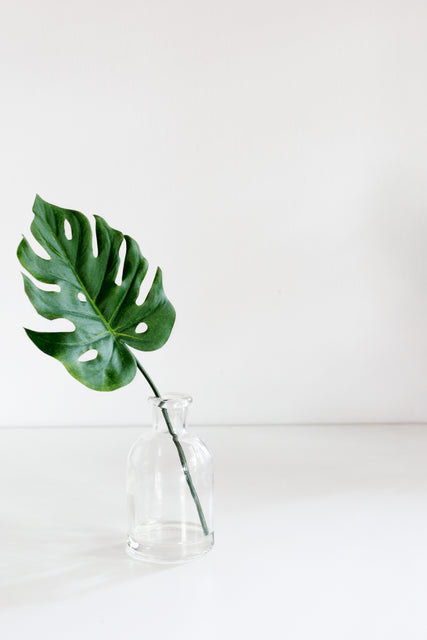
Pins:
x: 105, y: 315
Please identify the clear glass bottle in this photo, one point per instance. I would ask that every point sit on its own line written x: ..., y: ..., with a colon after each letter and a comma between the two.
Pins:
x: 169, y: 488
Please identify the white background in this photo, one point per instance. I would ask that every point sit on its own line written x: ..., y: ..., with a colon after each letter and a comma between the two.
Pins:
x: 270, y: 157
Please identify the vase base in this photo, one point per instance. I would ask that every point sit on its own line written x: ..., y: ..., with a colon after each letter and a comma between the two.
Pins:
x: 168, y: 543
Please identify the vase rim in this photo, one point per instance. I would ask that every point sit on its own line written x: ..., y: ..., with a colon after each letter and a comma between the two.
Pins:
x: 172, y: 400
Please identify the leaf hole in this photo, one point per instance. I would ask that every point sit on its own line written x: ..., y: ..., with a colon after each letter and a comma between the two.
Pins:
x: 57, y: 325
x: 122, y: 253
x: 81, y: 296
x: 91, y: 354
x: 46, y: 286
x: 141, y: 327
x: 38, y: 249
x: 145, y: 287
x: 92, y: 223
x: 67, y: 230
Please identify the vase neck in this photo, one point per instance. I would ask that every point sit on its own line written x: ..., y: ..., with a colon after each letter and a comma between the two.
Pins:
x: 170, y: 412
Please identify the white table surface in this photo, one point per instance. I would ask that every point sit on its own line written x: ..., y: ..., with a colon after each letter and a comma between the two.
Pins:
x: 321, y: 532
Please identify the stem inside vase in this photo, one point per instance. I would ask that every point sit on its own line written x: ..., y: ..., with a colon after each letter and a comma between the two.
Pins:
x: 180, y: 450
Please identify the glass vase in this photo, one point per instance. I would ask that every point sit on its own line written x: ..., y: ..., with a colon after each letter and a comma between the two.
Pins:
x: 169, y: 488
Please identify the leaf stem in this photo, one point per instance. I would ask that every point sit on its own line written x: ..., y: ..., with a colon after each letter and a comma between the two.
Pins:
x: 180, y: 450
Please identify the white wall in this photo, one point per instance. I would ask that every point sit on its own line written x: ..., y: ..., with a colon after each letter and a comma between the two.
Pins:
x: 271, y: 157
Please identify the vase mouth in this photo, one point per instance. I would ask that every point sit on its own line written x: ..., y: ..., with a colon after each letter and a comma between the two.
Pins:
x: 172, y: 400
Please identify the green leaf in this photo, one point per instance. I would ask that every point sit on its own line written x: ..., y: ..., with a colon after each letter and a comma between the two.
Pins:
x: 105, y: 315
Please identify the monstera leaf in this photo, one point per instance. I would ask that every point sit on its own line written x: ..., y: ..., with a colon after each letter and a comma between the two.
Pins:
x: 105, y: 314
